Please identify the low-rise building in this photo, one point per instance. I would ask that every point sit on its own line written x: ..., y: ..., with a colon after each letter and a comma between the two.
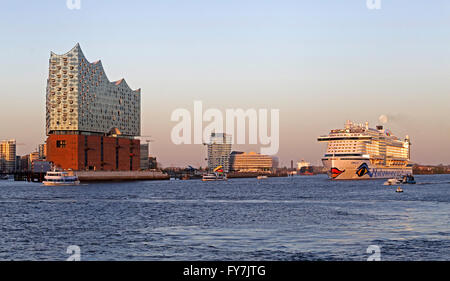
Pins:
x: 251, y: 162
x: 40, y: 166
x: 144, y: 160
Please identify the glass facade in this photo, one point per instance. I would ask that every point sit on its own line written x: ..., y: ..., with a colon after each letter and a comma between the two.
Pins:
x: 219, y: 150
x: 80, y: 98
x: 7, y: 156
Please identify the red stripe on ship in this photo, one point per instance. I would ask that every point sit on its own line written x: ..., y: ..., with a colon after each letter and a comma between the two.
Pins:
x: 335, y: 172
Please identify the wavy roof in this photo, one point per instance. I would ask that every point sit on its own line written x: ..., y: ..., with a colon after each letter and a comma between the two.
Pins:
x: 99, y: 63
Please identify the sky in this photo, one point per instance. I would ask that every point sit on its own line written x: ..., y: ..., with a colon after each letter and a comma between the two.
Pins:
x: 320, y: 62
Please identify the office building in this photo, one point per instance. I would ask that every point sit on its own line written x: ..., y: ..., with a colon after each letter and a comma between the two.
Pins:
x: 18, y: 163
x: 42, y: 151
x: 24, y: 163
x: 8, y: 156
x: 32, y: 157
x: 144, y: 160
x: 251, y: 162
x: 219, y: 150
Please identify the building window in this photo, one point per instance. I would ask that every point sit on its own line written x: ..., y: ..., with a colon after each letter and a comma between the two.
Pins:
x: 61, y: 144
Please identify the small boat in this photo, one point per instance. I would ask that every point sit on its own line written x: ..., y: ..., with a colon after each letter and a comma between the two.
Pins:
x: 407, y: 179
x: 392, y: 182
x: 60, y: 179
x: 399, y: 189
x: 214, y: 177
x: 4, y: 177
x: 217, y: 175
x: 261, y: 177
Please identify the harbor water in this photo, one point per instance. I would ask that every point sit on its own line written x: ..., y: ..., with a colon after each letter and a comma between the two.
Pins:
x: 296, y: 218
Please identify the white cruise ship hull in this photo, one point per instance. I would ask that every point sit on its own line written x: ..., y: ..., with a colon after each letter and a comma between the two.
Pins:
x: 350, y: 169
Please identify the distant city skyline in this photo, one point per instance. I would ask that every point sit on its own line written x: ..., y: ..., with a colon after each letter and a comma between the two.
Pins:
x: 319, y: 62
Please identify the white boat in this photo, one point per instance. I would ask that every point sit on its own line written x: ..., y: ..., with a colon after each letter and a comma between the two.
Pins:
x: 261, y: 177
x: 217, y: 175
x: 60, y: 179
x: 5, y: 177
x: 408, y: 179
x: 214, y: 177
x: 392, y: 182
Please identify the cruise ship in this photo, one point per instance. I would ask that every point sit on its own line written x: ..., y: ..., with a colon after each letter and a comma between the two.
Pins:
x: 360, y: 152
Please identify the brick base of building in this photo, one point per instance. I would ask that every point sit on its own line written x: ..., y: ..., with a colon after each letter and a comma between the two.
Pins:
x: 102, y: 153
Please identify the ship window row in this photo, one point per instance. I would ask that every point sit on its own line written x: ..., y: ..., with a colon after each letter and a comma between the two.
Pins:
x: 343, y: 154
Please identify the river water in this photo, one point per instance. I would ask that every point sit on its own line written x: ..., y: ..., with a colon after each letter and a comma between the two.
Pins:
x: 297, y: 218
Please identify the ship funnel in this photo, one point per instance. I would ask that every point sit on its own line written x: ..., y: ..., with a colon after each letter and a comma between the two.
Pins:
x: 348, y: 124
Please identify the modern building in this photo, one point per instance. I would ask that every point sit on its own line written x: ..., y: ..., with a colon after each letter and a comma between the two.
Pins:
x: 42, y: 151
x: 219, y: 150
x: 8, y: 156
x: 24, y: 163
x: 251, y: 162
x: 144, y: 160
x: 91, y: 122
x: 32, y: 157
x: 18, y: 163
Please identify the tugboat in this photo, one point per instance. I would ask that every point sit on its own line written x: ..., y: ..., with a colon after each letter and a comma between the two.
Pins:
x: 56, y: 178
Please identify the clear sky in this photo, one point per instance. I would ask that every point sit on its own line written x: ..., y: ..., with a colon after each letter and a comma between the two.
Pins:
x: 320, y: 62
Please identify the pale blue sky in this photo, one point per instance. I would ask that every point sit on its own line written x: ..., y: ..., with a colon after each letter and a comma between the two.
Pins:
x: 320, y: 62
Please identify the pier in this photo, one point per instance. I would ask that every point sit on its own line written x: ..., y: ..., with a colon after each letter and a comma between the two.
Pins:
x: 29, y: 176
x: 94, y: 176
